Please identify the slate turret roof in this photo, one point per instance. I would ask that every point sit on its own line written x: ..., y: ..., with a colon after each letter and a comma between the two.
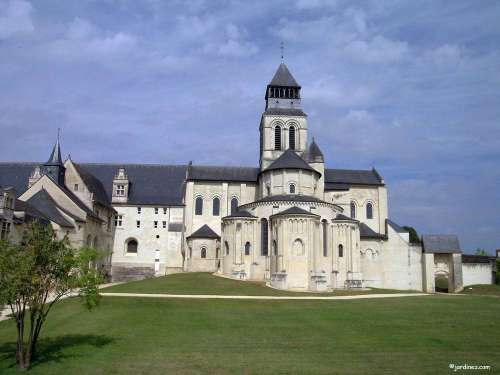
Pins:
x: 55, y: 156
x: 290, y: 160
x: 295, y: 211
x: 283, y: 78
x: 240, y: 213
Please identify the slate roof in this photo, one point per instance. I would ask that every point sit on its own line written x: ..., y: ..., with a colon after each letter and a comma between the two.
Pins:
x: 290, y: 160
x: 44, y: 203
x: 343, y: 177
x: 366, y: 232
x: 396, y: 227
x: 284, y: 112
x: 467, y: 258
x: 163, y: 184
x: 30, y: 212
x: 94, y: 185
x: 149, y: 183
x: 283, y: 77
x: 55, y: 156
x: 204, y: 232
x: 217, y: 173
x: 314, y: 152
x: 295, y: 211
x: 441, y: 243
x: 240, y: 213
x: 341, y: 217
x: 290, y: 198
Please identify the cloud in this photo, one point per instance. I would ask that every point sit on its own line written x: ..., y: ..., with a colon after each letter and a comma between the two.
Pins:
x: 377, y: 50
x: 15, y: 18
x: 314, y: 4
x: 234, y: 44
x: 84, y: 40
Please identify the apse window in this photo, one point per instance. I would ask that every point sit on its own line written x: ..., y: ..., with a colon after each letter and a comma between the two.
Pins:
x: 203, y: 252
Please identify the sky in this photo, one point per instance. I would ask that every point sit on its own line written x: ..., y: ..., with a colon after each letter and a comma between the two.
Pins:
x: 410, y: 88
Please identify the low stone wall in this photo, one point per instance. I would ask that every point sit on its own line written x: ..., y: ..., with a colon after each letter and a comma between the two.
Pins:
x: 477, y: 273
x: 124, y: 273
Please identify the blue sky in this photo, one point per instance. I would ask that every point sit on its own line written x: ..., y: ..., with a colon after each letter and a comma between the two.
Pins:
x: 412, y: 88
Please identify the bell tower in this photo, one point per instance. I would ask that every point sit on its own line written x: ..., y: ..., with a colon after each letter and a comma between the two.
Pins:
x: 54, y: 167
x: 283, y: 125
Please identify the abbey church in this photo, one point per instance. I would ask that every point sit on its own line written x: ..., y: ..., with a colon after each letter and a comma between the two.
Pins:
x: 290, y: 222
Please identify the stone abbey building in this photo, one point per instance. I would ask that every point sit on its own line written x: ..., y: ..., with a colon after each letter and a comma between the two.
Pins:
x: 291, y: 221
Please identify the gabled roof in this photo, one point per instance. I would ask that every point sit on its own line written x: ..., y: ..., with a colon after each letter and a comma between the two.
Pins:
x: 44, y: 203
x: 218, y: 173
x: 290, y: 160
x: 30, y: 212
x: 441, y: 243
x: 240, y: 213
x: 396, y: 227
x: 94, y: 185
x: 343, y: 177
x: 283, y: 77
x: 294, y: 211
x: 204, y: 232
x: 366, y: 232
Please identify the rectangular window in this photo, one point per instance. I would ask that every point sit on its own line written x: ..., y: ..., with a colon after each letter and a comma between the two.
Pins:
x: 156, y: 210
x: 76, y: 187
x: 139, y: 210
x: 138, y: 223
x: 164, y: 224
x: 5, y: 230
x: 164, y: 211
x: 118, y: 220
x: 120, y: 190
x: 155, y: 224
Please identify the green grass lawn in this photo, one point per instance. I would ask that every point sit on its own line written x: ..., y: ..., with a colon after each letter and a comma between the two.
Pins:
x: 408, y: 335
x: 206, y: 283
x: 485, y: 290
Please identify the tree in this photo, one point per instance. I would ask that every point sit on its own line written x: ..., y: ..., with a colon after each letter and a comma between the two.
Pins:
x: 414, y: 238
x: 480, y: 251
x: 35, y: 275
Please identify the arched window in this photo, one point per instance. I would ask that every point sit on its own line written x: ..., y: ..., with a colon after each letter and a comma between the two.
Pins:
x: 203, y: 252
x: 264, y: 237
x: 369, y: 211
x: 325, y: 237
x: 277, y: 138
x: 292, y: 188
x: 247, y: 248
x: 226, y: 247
x: 132, y: 246
x: 291, y: 137
x: 353, y: 210
x: 198, y: 207
x: 298, y: 247
x: 341, y: 251
x: 234, y: 205
x: 216, y: 206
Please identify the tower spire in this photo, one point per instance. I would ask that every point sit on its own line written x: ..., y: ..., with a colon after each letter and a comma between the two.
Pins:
x: 54, y: 167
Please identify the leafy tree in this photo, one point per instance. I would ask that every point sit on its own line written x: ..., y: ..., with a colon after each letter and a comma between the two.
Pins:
x: 414, y: 238
x: 480, y: 251
x: 35, y: 275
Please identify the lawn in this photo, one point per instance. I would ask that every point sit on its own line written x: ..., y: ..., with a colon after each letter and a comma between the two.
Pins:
x: 206, y: 283
x: 408, y: 335
x: 484, y: 290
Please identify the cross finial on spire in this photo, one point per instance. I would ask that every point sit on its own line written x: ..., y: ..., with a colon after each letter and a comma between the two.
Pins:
x: 282, y: 48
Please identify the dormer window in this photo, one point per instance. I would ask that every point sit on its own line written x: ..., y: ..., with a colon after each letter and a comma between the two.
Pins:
x: 120, y: 190
x: 292, y: 188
